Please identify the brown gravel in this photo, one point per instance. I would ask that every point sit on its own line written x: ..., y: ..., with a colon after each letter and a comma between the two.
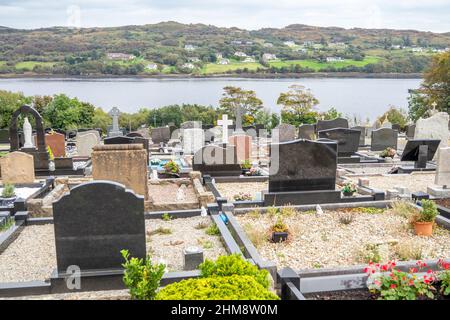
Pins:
x: 322, y: 241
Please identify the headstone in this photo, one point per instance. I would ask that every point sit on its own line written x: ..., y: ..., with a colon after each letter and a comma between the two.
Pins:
x: 307, y: 131
x: 122, y: 163
x: 386, y: 124
x: 4, y: 136
x: 217, y: 161
x: 238, y: 116
x: 145, y: 132
x: 94, y: 222
x: 94, y: 132
x: 410, y: 130
x: 243, y: 144
x: 161, y: 134
x: 303, y: 165
x: 39, y: 153
x: 57, y: 143
x: 115, y: 130
x: 193, y: 140
x: 443, y: 168
x: 384, y: 138
x: 135, y: 134
x: 17, y: 167
x: 362, y: 137
x: 396, y: 126
x: 224, y: 122
x: 191, y: 125
x: 435, y: 127
x: 331, y: 124
x: 85, y: 144
x: 284, y: 132
x: 347, y: 140
x: 420, y: 151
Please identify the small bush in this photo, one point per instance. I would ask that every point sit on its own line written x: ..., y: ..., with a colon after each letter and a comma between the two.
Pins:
x: 234, y: 287
x: 166, y: 217
x: 279, y: 225
x: 172, y: 167
x: 428, y: 213
x: 234, y: 265
x: 8, y: 190
x: 213, y: 230
x: 246, y: 164
x: 141, y: 276
x: 255, y: 214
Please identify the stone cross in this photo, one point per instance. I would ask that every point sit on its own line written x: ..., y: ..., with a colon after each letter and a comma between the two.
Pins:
x: 27, y: 132
x: 115, y: 113
x: 225, y: 123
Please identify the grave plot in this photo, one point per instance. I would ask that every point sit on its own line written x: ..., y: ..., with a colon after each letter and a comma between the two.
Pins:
x: 241, y: 191
x: 167, y: 238
x: 339, y: 238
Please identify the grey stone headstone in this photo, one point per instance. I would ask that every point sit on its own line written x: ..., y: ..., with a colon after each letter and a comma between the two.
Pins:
x: 284, y: 132
x: 191, y: 125
x: 303, y: 165
x: 307, y: 131
x: 94, y: 222
x: 331, y: 124
x: 129, y: 140
x: 410, y: 129
x: 383, y: 138
x: 161, y: 134
x: 362, y: 137
x: 347, y: 140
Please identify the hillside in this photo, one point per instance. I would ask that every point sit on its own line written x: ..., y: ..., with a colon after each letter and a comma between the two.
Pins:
x: 171, y: 47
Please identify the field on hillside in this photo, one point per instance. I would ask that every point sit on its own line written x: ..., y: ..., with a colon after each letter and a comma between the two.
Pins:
x: 314, y: 64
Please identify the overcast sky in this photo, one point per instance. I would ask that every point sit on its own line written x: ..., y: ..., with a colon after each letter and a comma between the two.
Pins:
x: 427, y: 15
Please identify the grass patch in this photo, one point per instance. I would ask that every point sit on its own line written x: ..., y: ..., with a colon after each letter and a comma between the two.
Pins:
x: 202, y: 225
x: 29, y: 65
x: 7, y: 224
x: 213, y: 230
x: 210, y: 68
x: 316, y: 65
x: 166, y: 217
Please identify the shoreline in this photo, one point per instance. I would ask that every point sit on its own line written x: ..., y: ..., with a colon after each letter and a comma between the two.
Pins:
x: 261, y: 76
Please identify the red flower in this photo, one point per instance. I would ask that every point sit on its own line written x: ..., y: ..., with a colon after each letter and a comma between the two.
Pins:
x: 384, y: 267
x: 393, y: 286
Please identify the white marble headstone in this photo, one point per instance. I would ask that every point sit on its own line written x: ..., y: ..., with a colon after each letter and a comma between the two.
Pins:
x: 85, y: 143
x: 435, y: 127
x: 193, y: 140
x: 443, y: 168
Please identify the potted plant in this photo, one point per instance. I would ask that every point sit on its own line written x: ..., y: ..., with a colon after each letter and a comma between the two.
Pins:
x: 8, y: 195
x: 254, y: 172
x: 246, y: 166
x: 423, y: 220
x: 349, y: 189
x: 51, y: 158
x: 280, y: 231
x: 172, y: 168
x: 388, y: 153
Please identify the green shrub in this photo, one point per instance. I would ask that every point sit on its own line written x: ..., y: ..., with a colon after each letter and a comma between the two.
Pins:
x: 234, y: 265
x: 234, y: 287
x: 8, y: 190
x: 141, y: 276
x: 428, y: 213
x: 246, y: 164
x: 213, y: 230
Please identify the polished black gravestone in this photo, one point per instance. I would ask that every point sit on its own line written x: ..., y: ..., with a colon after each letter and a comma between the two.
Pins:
x: 39, y: 154
x: 362, y: 137
x: 4, y: 136
x: 161, y: 134
x: 94, y: 222
x: 302, y: 172
x: 307, y: 131
x: 217, y: 161
x: 135, y: 134
x: 420, y: 151
x: 331, y: 124
x: 384, y: 138
x: 347, y: 140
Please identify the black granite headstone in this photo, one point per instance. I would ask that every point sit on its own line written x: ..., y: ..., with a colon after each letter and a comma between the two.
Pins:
x: 4, y: 136
x: 217, y: 161
x: 135, y: 134
x: 94, y: 222
x: 347, y: 140
x: 411, y: 151
x: 303, y: 165
x: 331, y: 124
x: 384, y: 138
x: 307, y: 131
x: 362, y: 137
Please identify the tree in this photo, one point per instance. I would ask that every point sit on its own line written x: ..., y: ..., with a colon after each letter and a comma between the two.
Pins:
x: 100, y: 119
x: 234, y: 98
x: 331, y: 114
x: 436, y: 83
x: 298, y: 105
x: 10, y: 102
x: 395, y: 116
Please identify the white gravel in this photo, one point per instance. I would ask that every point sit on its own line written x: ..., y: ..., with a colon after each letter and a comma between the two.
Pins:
x: 414, y: 182
x: 322, y: 241
x: 230, y: 189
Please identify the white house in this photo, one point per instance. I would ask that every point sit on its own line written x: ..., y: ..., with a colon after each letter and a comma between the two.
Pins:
x: 152, y: 66
x: 120, y: 56
x: 189, y: 47
x: 249, y: 59
x: 289, y: 43
x: 194, y: 59
x: 188, y: 66
x: 269, y: 56
x: 240, y: 54
x: 223, y: 61
x: 334, y: 59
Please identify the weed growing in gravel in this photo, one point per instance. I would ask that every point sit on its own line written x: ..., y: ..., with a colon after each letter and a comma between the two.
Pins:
x: 324, y: 236
x: 166, y: 217
x: 202, y: 225
x: 317, y: 265
x: 408, y: 250
x: 287, y: 211
x: 369, y: 253
x: 160, y: 230
x: 256, y: 236
x: 272, y: 211
x: 405, y: 209
x: 213, y: 230
x: 346, y: 218
x: 255, y: 214
x: 206, y: 244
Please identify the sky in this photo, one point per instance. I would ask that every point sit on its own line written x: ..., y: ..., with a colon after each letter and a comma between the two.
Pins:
x: 424, y: 15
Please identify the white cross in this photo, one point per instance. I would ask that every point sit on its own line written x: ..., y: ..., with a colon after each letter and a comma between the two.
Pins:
x: 224, y: 123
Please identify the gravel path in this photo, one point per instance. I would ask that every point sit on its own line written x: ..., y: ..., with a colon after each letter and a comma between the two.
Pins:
x: 414, y: 182
x: 32, y: 256
x: 230, y: 189
x: 169, y: 247
x: 322, y: 241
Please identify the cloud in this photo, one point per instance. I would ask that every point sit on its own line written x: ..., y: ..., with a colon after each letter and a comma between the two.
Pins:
x: 430, y: 15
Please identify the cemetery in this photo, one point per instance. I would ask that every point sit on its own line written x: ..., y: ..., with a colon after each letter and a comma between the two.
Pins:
x: 305, y: 209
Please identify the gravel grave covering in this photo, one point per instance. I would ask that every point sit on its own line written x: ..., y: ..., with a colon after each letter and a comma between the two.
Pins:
x: 414, y: 182
x: 32, y: 256
x: 229, y: 189
x: 322, y: 241
x: 91, y: 295
x: 168, y: 248
x: 167, y: 193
